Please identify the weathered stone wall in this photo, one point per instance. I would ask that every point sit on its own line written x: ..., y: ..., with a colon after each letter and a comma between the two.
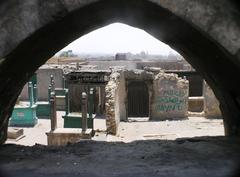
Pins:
x: 113, y: 106
x: 120, y: 101
x: 138, y: 74
x: 170, y: 97
x: 211, y: 104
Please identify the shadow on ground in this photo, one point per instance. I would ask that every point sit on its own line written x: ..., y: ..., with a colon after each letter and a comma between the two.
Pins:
x: 199, y: 156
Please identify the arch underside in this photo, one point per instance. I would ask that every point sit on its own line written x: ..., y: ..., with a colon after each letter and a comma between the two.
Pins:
x: 216, y: 64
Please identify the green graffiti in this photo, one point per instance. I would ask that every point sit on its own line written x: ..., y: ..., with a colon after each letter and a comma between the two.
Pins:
x: 168, y: 108
x: 174, y: 100
x: 171, y: 100
x: 177, y: 93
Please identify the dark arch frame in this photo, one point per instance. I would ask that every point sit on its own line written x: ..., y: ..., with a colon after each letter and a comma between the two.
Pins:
x: 213, y: 61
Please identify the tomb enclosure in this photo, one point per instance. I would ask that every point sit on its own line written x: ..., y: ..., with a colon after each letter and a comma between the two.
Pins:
x: 166, y: 97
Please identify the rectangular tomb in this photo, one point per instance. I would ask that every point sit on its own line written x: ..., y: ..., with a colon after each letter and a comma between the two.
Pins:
x: 63, y: 136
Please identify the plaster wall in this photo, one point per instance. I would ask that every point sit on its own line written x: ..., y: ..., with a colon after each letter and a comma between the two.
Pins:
x: 120, y: 103
x: 170, y: 97
x: 43, y: 81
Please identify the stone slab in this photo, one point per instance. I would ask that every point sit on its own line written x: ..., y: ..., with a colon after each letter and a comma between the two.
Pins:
x: 14, y: 133
x: 63, y: 136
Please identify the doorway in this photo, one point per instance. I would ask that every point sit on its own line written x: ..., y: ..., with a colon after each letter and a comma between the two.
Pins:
x: 138, y: 99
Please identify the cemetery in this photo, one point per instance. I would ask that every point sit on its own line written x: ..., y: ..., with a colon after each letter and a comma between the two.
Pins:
x: 140, y: 117
x: 111, y: 94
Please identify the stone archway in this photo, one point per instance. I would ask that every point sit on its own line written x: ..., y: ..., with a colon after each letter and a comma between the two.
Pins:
x: 206, y: 33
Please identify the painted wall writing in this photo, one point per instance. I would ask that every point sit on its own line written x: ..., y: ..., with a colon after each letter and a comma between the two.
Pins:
x: 170, y: 97
x: 171, y: 100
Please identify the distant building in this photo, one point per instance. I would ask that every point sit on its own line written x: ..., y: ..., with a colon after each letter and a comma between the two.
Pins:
x: 68, y: 53
x: 121, y: 56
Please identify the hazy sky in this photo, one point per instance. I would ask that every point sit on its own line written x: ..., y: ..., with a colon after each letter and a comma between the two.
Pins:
x: 118, y: 37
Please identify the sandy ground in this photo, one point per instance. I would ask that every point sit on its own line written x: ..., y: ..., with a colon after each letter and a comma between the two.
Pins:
x: 142, y: 129
x: 141, y: 149
x: 135, y: 129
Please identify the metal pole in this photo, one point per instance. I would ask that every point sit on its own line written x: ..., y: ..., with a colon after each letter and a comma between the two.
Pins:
x: 52, y: 83
x: 66, y: 102
x: 49, y: 92
x: 99, y: 102
x: 53, y: 86
x: 51, y: 79
x: 63, y: 82
x: 30, y: 93
x: 53, y: 115
x: 90, y: 103
x: 84, y: 112
x: 102, y: 93
x: 35, y: 93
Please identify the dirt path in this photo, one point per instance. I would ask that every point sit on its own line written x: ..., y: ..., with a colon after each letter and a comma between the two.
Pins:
x: 142, y: 129
x: 135, y: 129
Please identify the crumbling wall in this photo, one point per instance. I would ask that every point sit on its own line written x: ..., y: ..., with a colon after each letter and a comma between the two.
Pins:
x: 170, y: 97
x: 211, y: 104
x: 138, y: 74
x: 115, y: 101
x: 120, y: 101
